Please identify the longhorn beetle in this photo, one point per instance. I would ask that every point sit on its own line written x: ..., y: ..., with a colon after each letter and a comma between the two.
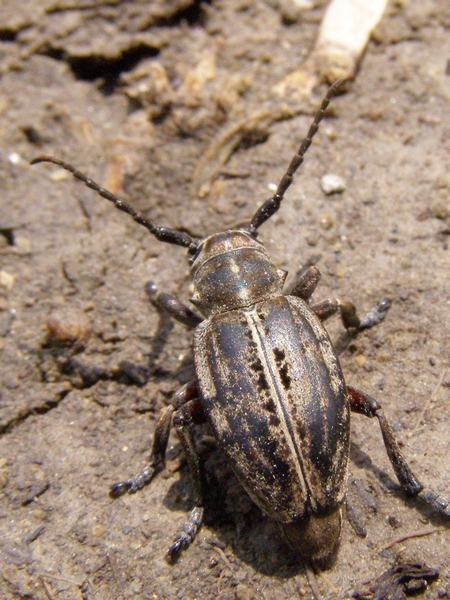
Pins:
x: 267, y: 380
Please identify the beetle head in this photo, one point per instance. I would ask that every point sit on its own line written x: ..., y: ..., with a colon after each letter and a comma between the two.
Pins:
x: 230, y: 270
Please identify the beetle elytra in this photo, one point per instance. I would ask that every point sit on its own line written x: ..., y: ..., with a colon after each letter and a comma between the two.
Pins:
x: 267, y: 380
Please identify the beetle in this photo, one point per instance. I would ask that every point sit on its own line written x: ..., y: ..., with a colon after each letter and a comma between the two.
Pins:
x: 267, y: 380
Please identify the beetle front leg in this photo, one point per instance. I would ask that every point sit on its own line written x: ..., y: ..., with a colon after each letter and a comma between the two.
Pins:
x: 159, y: 446
x: 184, y: 421
x: 306, y: 284
x: 176, y: 309
x: 362, y: 403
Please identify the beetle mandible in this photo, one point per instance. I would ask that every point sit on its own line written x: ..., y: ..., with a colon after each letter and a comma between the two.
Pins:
x: 267, y: 380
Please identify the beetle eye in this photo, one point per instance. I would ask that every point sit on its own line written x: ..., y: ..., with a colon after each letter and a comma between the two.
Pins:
x: 194, y: 251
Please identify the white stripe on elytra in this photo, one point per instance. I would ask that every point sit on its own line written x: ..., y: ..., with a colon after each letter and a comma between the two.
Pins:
x: 277, y: 392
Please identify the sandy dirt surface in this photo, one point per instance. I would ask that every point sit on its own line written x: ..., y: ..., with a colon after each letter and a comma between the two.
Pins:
x: 172, y: 106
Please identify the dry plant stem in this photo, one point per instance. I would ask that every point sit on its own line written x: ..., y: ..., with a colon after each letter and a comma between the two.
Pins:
x: 431, y: 399
x: 344, y: 33
x: 46, y: 589
x: 413, y: 534
x: 221, y: 148
x: 343, y: 37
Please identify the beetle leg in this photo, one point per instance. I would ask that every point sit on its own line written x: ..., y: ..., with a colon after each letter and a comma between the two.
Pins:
x: 184, y: 421
x: 326, y: 309
x: 159, y: 446
x: 306, y: 284
x: 304, y: 289
x: 375, y: 315
x: 362, y: 403
x: 349, y: 315
x: 176, y: 309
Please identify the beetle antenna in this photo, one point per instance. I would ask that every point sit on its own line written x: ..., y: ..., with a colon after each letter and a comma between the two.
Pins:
x: 163, y: 234
x: 270, y: 207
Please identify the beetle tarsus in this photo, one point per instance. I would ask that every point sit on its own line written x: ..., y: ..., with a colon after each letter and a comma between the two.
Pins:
x: 437, y: 502
x: 375, y: 315
x: 131, y: 486
x: 120, y: 488
x: 351, y: 319
x: 185, y: 538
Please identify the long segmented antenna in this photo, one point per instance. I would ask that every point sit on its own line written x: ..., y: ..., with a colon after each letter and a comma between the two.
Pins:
x: 270, y: 207
x: 163, y: 234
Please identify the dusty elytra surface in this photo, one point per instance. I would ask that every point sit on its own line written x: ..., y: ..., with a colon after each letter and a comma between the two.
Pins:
x: 117, y: 90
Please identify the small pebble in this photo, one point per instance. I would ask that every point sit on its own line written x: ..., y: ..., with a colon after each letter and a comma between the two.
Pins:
x: 98, y: 530
x: 6, y: 280
x: 3, y: 479
x: 332, y: 184
x: 33, y: 536
x: 14, y: 158
x: 244, y: 592
x: 68, y: 327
